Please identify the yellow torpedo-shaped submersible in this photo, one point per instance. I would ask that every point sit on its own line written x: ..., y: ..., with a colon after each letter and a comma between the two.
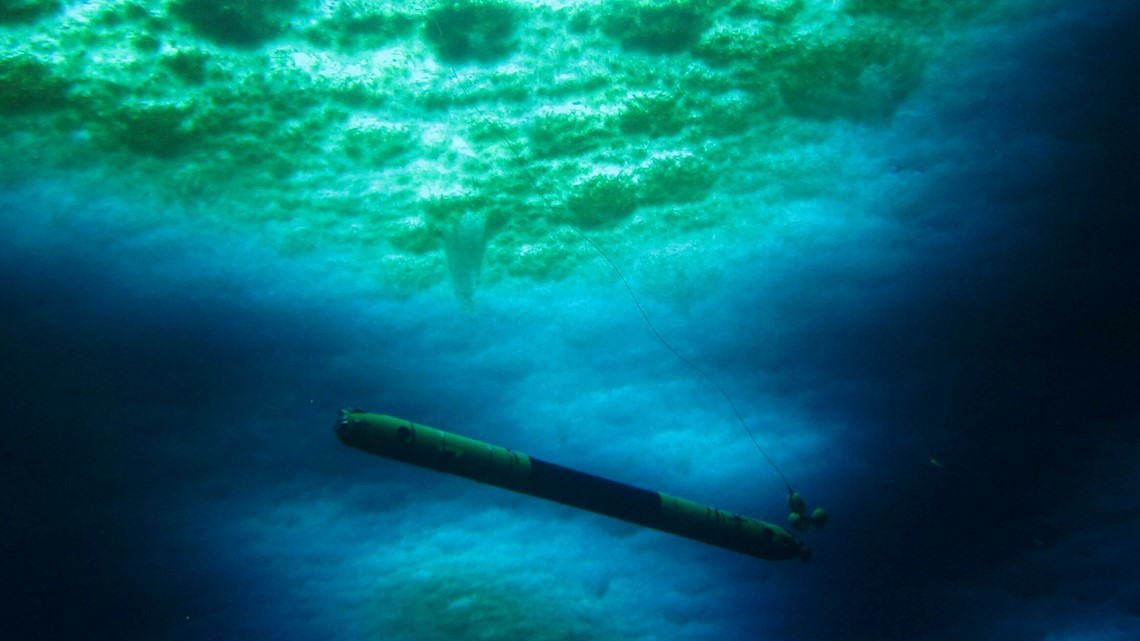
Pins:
x: 436, y: 449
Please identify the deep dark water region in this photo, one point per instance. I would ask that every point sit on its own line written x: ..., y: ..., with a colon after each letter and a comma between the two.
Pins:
x: 911, y: 263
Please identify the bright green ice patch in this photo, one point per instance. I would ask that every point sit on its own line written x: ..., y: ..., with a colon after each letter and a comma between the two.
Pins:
x: 457, y: 140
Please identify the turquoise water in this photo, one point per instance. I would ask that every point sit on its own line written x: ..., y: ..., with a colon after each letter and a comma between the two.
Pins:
x: 899, y: 234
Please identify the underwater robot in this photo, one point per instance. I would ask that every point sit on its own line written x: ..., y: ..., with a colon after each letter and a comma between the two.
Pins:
x: 442, y: 451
